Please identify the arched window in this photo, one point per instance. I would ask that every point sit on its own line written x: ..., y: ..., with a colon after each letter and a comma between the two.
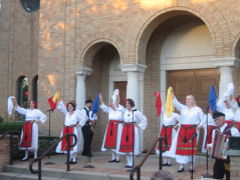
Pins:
x: 30, y: 5
x: 35, y: 89
x: 22, y: 91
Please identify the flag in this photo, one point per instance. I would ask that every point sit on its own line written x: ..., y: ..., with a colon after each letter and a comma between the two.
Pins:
x: 95, y: 105
x: 169, y: 103
x: 212, y: 99
x: 158, y: 103
x: 53, y: 101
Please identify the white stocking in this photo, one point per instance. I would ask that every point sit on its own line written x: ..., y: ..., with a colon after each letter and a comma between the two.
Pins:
x: 35, y: 154
x: 181, y: 166
x: 26, y: 155
x: 113, y: 155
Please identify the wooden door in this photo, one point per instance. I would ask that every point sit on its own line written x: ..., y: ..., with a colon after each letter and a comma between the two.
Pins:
x: 122, y: 86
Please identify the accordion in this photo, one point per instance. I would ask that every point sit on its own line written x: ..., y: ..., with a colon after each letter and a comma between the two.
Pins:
x: 220, y: 146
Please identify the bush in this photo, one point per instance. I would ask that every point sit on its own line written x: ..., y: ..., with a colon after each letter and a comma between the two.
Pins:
x: 11, y: 126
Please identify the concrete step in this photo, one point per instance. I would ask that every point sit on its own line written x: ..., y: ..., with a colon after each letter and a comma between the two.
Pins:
x: 62, y: 174
x: 17, y: 176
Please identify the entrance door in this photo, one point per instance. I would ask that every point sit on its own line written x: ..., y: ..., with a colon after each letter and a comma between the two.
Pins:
x: 195, y: 82
x: 122, y: 86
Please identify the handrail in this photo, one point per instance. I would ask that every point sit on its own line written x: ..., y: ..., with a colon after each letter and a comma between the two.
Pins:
x: 11, y: 143
x: 39, y: 159
x: 137, y: 168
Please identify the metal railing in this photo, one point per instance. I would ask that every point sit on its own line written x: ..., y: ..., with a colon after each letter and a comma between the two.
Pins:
x: 39, y: 159
x: 137, y: 168
x: 11, y: 133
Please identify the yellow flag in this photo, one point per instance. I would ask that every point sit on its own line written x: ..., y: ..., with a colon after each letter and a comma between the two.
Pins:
x: 169, y: 108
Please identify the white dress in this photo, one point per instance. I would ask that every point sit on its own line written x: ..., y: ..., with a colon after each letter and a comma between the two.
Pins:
x: 116, y: 115
x: 32, y: 115
x: 193, y: 116
x: 169, y: 121
x: 140, y: 119
x: 71, y: 120
x: 211, y: 122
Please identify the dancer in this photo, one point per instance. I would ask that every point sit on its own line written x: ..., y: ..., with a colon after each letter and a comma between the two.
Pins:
x: 208, y: 125
x: 73, y: 123
x: 134, y: 120
x: 88, y: 127
x: 115, y: 116
x: 29, y: 136
x: 168, y: 131
x: 191, y: 118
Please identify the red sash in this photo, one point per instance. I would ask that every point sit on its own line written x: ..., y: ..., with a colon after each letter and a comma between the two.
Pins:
x: 27, y: 135
x: 237, y: 125
x: 229, y: 122
x: 209, y: 134
x: 166, y: 133
x: 67, y: 130
x: 111, y: 136
x: 126, y: 144
x: 184, y: 145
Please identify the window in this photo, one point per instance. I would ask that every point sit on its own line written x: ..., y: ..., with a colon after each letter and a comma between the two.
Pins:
x: 30, y: 5
x: 22, y: 91
x: 35, y: 89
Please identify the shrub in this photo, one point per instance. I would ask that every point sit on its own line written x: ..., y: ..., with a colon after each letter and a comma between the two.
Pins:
x: 11, y: 126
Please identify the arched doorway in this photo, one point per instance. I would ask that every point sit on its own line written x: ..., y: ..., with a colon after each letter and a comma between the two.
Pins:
x: 22, y: 91
x: 106, y: 76
x: 179, y: 53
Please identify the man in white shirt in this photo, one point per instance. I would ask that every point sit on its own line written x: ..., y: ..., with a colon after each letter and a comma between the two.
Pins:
x: 87, y: 129
x: 221, y: 167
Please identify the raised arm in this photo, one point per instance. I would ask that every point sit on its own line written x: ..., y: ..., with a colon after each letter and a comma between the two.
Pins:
x: 176, y: 103
x: 61, y: 107
x: 102, y: 104
x: 18, y: 108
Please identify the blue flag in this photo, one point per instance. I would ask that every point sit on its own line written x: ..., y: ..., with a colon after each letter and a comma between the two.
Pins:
x: 95, y: 105
x: 212, y: 98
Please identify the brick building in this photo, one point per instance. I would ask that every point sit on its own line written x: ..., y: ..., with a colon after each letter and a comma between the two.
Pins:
x: 81, y: 48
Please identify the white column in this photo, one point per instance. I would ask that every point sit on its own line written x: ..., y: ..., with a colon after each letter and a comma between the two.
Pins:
x: 226, y: 77
x: 135, y: 88
x: 225, y: 66
x: 81, y: 73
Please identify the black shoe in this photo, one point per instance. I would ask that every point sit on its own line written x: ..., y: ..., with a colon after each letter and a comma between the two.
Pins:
x: 24, y: 159
x: 191, y: 170
x: 73, y: 162
x: 165, y: 164
x: 169, y: 164
x: 117, y: 161
x: 127, y: 166
x: 180, y: 170
x: 111, y: 161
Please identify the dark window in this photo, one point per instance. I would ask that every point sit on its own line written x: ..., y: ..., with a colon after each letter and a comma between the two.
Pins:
x: 22, y: 91
x: 35, y: 89
x: 30, y: 5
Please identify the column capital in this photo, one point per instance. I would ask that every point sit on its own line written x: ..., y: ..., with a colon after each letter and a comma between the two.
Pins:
x: 83, y: 71
x: 226, y: 61
x: 132, y: 67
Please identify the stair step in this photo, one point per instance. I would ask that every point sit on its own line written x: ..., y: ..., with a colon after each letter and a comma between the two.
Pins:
x: 17, y: 176
x: 60, y: 174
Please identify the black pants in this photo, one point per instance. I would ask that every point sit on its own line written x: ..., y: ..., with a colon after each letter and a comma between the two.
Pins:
x: 220, y: 168
x: 87, y: 136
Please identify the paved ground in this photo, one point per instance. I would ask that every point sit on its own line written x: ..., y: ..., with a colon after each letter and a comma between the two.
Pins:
x: 100, y: 161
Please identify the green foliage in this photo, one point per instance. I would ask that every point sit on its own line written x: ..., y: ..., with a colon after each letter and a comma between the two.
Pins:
x: 11, y: 126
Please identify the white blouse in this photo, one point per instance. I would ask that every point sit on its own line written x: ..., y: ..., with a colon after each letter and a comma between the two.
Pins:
x: 116, y: 115
x: 135, y: 116
x: 188, y: 116
x: 71, y: 119
x: 172, y: 120
x: 32, y: 115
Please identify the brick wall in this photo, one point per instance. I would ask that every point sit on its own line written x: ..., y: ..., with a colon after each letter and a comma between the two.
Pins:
x: 4, y: 152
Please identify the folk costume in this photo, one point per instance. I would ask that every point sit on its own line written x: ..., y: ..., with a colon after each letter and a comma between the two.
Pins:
x: 127, y: 144
x: 222, y: 166
x: 73, y: 124
x: 87, y: 130
x: 190, y: 120
x: 115, y: 117
x: 208, y: 129
x: 29, y: 135
x: 168, y: 132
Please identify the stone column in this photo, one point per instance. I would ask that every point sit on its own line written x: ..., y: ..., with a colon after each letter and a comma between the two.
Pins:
x: 81, y: 73
x: 225, y: 66
x: 135, y: 87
